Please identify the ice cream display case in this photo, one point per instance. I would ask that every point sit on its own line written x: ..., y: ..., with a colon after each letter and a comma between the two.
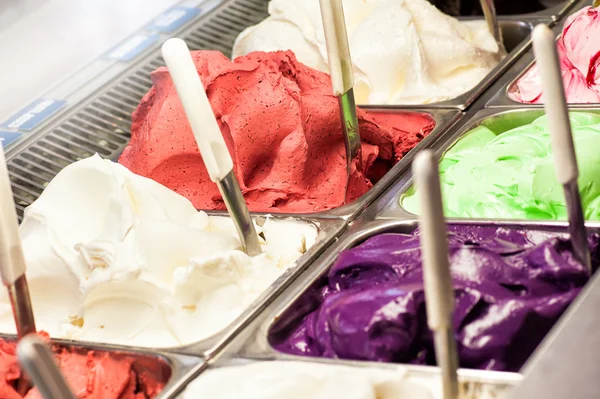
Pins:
x: 336, y: 299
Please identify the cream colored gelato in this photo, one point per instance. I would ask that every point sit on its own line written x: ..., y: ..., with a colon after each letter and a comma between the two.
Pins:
x: 307, y: 380
x: 115, y: 257
x: 404, y: 51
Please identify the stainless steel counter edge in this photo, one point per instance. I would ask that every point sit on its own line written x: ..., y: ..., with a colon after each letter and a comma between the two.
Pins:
x: 388, y: 205
x: 463, y: 101
x: 253, y: 342
x: 482, y: 377
x: 502, y: 100
x: 444, y: 120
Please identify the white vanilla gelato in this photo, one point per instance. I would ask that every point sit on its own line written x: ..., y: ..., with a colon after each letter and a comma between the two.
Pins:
x: 115, y: 257
x: 311, y: 380
x: 403, y: 51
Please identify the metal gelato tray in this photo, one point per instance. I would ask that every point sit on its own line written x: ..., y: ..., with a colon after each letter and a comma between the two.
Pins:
x: 254, y: 342
x: 172, y: 370
x: 502, y: 384
x: 389, y: 207
x: 444, y: 120
x: 328, y: 231
x: 517, y: 39
x: 502, y: 99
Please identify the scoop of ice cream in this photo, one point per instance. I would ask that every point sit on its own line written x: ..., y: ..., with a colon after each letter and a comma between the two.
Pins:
x: 282, y: 127
x: 510, y: 288
x: 578, y: 50
x: 305, y: 380
x: 403, y: 51
x: 509, y: 172
x: 115, y: 257
x: 90, y: 374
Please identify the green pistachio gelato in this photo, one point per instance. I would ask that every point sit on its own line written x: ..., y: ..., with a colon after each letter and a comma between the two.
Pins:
x: 509, y: 174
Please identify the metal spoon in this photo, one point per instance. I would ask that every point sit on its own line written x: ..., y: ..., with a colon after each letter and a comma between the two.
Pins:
x: 489, y: 12
x: 439, y: 294
x: 342, y: 78
x: 565, y: 160
x: 36, y: 358
x: 209, y: 139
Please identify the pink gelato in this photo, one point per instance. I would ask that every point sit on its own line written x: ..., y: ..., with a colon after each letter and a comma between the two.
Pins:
x: 579, y: 52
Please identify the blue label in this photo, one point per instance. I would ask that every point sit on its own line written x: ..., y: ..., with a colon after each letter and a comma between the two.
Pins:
x: 34, y: 114
x: 8, y: 137
x: 172, y: 19
x: 132, y: 47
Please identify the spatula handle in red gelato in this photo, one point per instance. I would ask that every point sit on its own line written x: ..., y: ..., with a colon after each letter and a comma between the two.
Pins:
x: 209, y: 138
x: 561, y: 137
x: 439, y: 293
x: 342, y: 78
x: 12, y: 260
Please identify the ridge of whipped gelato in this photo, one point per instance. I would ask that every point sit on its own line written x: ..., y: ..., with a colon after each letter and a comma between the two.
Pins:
x: 403, y: 51
x: 115, y: 257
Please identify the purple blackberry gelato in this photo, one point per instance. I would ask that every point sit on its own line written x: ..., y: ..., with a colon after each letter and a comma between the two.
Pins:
x: 511, y: 286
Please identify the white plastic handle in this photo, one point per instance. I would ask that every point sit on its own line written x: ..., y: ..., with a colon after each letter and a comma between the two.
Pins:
x: 338, y: 49
x: 439, y: 294
x: 12, y: 261
x: 197, y: 108
x: 565, y: 161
